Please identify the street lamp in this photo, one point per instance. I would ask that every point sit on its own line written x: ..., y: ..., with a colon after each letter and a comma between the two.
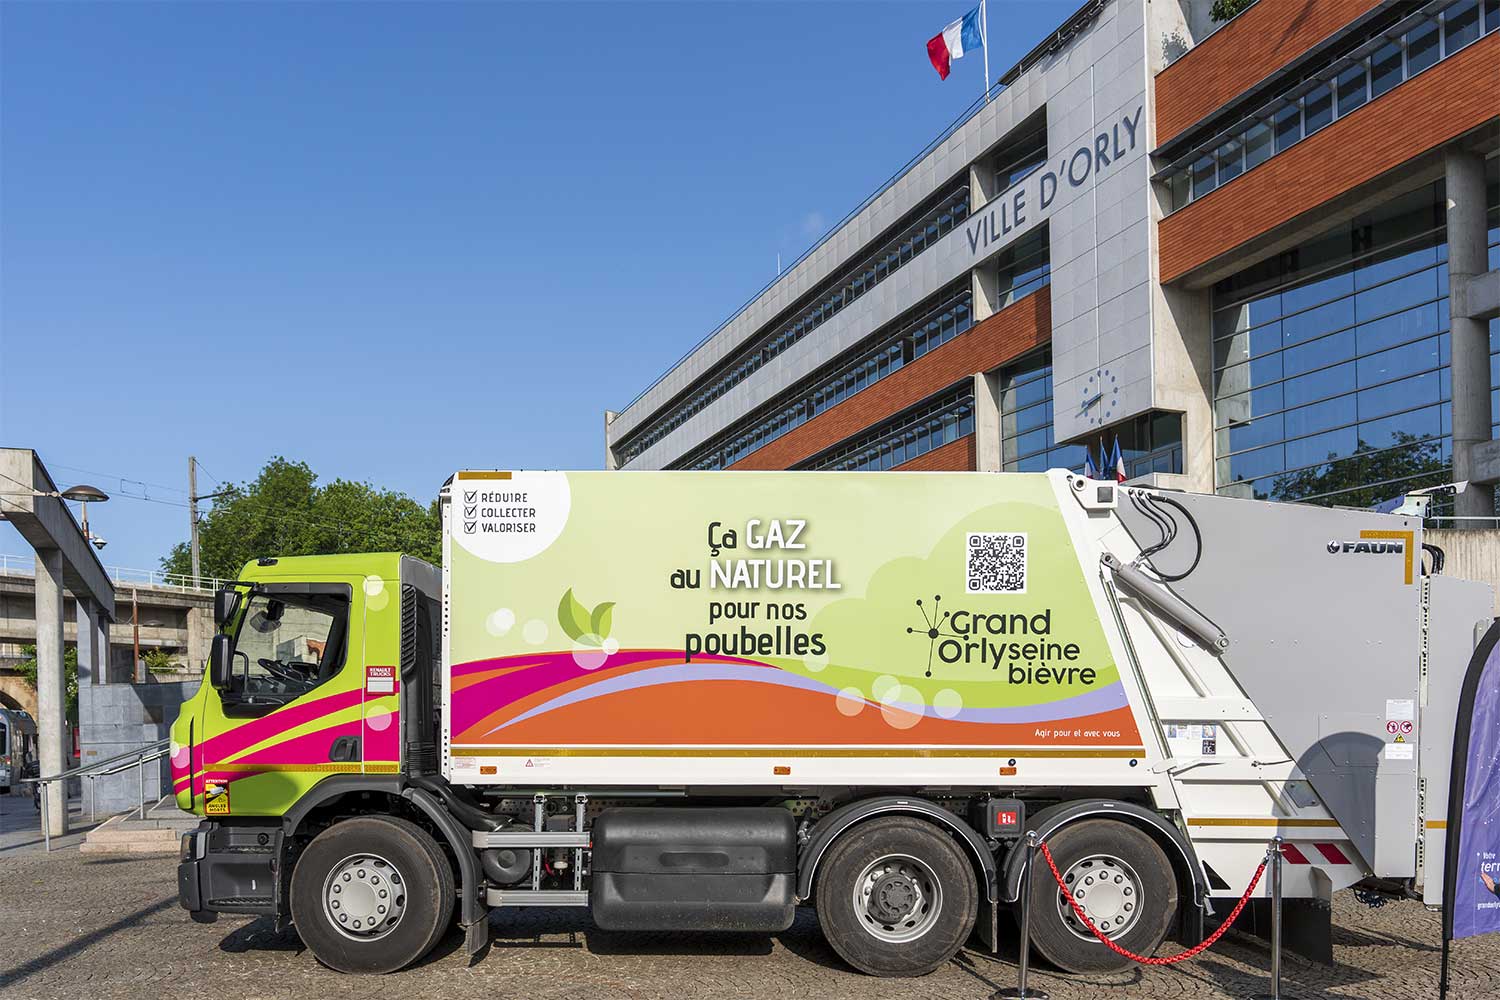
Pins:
x: 85, y: 495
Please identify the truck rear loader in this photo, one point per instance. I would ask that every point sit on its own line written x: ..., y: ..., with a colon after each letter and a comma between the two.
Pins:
x: 698, y: 701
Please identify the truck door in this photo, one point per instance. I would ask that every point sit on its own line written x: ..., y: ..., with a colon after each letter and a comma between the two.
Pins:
x: 290, y: 712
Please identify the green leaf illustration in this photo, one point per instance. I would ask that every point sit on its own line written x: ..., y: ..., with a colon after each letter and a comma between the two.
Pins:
x: 573, y: 617
x: 600, y: 621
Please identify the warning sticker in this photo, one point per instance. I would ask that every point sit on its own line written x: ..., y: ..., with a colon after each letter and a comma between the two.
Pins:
x: 1192, y: 740
x: 1400, y: 751
x: 215, y: 800
x: 380, y: 680
x: 1400, y: 708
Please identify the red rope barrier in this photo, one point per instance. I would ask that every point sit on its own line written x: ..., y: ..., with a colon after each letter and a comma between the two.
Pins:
x: 1147, y: 959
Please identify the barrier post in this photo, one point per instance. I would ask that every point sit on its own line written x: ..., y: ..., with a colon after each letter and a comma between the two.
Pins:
x: 1275, y: 853
x: 46, y: 826
x: 1022, y: 990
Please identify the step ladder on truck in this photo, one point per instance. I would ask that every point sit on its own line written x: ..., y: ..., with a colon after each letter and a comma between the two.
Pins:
x: 698, y: 701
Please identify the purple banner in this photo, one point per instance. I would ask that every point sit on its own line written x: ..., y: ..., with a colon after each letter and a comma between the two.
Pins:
x: 1476, y: 901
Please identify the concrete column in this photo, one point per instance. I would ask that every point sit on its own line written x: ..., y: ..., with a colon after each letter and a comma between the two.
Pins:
x: 200, y: 634
x: 982, y: 185
x: 51, y: 690
x: 88, y: 668
x: 1470, y: 338
x: 984, y: 283
x: 611, y: 461
x: 987, y: 422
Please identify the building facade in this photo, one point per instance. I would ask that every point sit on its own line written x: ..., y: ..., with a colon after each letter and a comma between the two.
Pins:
x: 1261, y: 255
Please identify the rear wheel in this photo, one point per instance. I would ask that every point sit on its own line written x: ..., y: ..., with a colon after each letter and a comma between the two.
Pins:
x: 372, y: 894
x: 896, y: 897
x: 1121, y: 879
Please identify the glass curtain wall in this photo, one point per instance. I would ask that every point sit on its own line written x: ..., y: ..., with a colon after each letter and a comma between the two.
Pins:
x: 1331, y: 377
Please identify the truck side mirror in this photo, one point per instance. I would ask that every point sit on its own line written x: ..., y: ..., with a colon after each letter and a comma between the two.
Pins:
x: 220, y: 660
x: 226, y: 603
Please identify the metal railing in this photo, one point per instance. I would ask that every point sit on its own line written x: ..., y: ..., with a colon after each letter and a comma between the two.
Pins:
x: 122, y: 576
x: 137, y: 759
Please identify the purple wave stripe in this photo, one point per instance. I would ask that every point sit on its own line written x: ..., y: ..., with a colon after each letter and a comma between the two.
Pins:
x: 473, y: 703
x: 1104, y: 699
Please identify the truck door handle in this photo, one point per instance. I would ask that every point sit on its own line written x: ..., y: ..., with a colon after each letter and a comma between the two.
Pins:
x: 345, y: 750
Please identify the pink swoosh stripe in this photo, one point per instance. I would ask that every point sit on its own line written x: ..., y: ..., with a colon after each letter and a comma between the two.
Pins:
x: 250, y: 733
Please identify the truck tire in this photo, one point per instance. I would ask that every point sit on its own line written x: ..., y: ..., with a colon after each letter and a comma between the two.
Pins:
x: 1120, y: 877
x: 372, y: 894
x: 896, y: 897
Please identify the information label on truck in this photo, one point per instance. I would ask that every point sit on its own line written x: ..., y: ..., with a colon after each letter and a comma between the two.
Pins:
x: 787, y: 610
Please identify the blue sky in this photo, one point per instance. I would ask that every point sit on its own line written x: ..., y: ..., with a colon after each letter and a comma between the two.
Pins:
x: 393, y: 240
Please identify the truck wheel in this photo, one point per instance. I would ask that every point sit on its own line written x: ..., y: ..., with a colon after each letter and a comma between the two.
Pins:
x: 372, y: 894
x: 896, y: 897
x: 1124, y: 883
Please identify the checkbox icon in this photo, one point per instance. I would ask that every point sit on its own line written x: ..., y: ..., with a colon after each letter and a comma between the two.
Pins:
x: 469, y: 495
x: 471, y: 511
x: 469, y: 527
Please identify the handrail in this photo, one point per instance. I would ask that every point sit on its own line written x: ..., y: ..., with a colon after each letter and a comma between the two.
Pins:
x: 137, y: 759
x: 151, y: 751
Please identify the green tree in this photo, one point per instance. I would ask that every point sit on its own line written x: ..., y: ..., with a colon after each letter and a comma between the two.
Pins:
x: 27, y: 669
x: 1223, y: 10
x: 160, y: 661
x: 284, y: 512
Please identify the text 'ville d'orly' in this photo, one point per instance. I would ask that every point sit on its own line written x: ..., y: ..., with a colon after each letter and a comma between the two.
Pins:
x: 1008, y: 211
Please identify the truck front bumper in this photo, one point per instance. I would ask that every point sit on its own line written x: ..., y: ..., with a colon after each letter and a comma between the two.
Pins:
x: 228, y: 869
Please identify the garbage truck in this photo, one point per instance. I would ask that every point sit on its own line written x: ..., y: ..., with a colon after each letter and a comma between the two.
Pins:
x: 699, y: 701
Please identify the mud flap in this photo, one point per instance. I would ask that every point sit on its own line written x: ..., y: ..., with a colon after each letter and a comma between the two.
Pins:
x: 987, y: 927
x: 1306, y: 929
x: 476, y: 937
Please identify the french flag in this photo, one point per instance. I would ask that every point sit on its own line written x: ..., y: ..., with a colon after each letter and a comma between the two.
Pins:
x: 1118, y: 461
x: 960, y: 37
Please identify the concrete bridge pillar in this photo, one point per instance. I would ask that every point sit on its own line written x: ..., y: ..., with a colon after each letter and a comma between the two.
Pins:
x: 51, y: 689
x: 93, y: 642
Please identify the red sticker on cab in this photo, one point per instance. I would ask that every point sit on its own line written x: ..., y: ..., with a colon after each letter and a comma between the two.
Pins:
x: 380, y: 680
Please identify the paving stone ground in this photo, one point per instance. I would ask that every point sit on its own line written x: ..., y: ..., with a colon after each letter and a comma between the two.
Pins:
x: 108, y: 928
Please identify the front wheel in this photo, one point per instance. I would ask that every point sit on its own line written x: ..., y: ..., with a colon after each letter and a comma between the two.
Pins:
x: 896, y: 897
x: 372, y: 894
x: 1123, y: 882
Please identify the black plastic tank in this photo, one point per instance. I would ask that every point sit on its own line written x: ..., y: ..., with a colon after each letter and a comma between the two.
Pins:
x: 694, y: 869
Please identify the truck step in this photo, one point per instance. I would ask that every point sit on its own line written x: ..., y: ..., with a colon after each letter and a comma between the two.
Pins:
x: 536, y: 897
x: 530, y: 838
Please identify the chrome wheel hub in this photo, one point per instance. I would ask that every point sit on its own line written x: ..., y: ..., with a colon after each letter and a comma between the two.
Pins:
x: 898, y: 898
x: 1107, y: 889
x: 364, y: 896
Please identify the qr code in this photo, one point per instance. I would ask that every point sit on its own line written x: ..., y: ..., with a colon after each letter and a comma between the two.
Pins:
x: 996, y: 562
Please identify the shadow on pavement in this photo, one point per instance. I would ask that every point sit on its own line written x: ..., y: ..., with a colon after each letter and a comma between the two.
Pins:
x: 1299, y: 978
x: 260, y: 934
x: 47, y: 959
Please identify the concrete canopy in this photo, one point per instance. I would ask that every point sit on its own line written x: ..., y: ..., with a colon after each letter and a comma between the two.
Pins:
x: 65, y: 561
x: 29, y: 500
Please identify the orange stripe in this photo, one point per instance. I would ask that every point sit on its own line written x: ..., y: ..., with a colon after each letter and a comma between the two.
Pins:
x: 739, y: 713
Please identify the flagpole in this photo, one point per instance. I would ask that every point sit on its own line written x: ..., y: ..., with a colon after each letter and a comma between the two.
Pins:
x: 984, y: 42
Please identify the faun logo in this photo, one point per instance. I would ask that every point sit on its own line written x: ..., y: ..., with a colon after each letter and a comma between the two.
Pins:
x: 1392, y: 547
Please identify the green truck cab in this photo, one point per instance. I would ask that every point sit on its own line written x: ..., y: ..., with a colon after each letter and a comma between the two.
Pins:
x: 301, y: 722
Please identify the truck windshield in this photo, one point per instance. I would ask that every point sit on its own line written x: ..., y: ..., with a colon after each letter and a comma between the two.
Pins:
x: 287, y: 645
